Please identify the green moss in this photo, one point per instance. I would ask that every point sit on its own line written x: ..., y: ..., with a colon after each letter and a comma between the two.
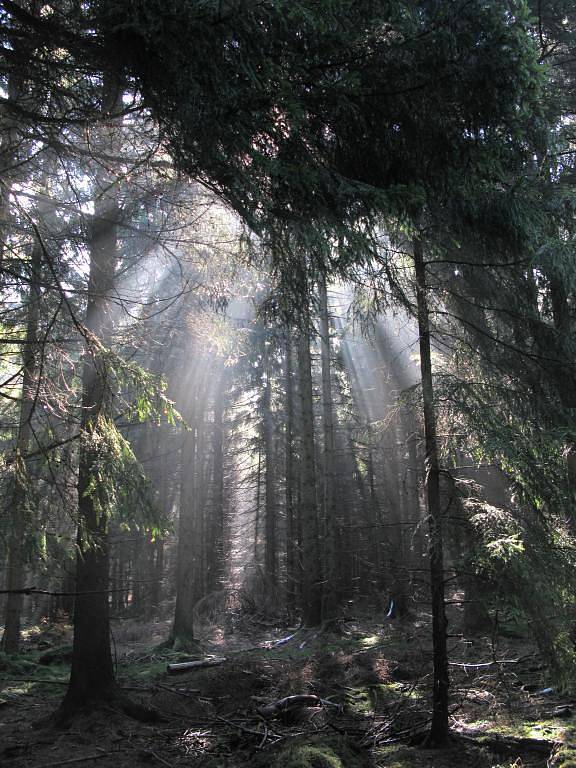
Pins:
x: 12, y: 666
x: 186, y: 644
x: 398, y: 756
x: 147, y: 671
x: 313, y: 757
x: 60, y: 655
x: 565, y: 758
x: 370, y: 641
x: 315, y: 752
x: 566, y: 755
x: 551, y: 729
x: 360, y: 701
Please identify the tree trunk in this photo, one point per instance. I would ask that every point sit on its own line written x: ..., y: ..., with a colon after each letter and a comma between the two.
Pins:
x: 92, y: 674
x: 257, y: 511
x: 439, y: 728
x: 270, y: 553
x: 374, y: 519
x: 18, y: 507
x: 291, y: 571
x: 331, y: 597
x: 216, y: 542
x: 311, y: 564
x: 183, y: 629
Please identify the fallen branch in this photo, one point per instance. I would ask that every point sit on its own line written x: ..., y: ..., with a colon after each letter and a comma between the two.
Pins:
x: 157, y: 756
x: 484, y: 664
x: 507, y: 745
x: 241, y: 727
x: 288, y: 703
x: 190, y: 693
x: 76, y: 760
x: 185, y: 666
x: 33, y: 680
x: 282, y: 641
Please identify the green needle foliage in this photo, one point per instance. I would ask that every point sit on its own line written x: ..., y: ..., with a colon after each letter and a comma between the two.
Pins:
x: 319, y: 118
x: 118, y: 485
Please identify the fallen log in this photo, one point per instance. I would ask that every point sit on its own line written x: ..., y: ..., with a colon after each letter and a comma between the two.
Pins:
x: 268, y: 711
x: 509, y: 745
x: 186, y: 666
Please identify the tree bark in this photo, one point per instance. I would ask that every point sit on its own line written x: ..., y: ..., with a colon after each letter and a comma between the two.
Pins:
x: 438, y: 735
x: 270, y: 549
x: 311, y: 564
x: 331, y: 597
x: 291, y: 571
x: 183, y: 628
x: 216, y: 542
x: 92, y: 675
x: 257, y: 510
x: 18, y: 507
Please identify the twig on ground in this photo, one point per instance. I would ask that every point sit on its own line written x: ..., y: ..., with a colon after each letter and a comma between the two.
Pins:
x: 35, y: 680
x: 83, y: 759
x: 157, y: 756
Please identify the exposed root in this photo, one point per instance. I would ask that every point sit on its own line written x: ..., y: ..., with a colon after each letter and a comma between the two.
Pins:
x: 69, y: 712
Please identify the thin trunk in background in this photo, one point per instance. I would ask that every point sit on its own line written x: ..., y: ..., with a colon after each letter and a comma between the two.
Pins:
x: 183, y: 628
x: 215, y: 552
x: 291, y: 528
x: 15, y: 572
x: 311, y: 562
x: 258, y: 503
x: 270, y: 553
x: 329, y: 522
x: 438, y: 735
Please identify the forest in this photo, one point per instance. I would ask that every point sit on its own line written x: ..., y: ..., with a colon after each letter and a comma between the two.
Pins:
x: 288, y: 383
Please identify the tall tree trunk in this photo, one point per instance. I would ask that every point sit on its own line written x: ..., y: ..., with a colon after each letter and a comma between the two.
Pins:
x: 291, y: 571
x: 311, y: 563
x: 20, y: 494
x: 216, y: 543
x: 200, y: 504
x: 258, y: 504
x: 270, y: 549
x: 374, y: 519
x: 92, y: 674
x: 439, y: 728
x: 398, y: 513
x: 183, y: 629
x: 330, y: 596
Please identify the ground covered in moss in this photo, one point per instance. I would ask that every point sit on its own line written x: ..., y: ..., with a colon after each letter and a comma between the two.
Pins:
x: 371, y: 709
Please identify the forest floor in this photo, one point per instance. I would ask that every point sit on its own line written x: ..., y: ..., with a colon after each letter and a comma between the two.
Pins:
x: 368, y: 704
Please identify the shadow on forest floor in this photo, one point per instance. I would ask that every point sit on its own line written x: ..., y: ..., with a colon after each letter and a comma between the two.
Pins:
x: 372, y: 689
